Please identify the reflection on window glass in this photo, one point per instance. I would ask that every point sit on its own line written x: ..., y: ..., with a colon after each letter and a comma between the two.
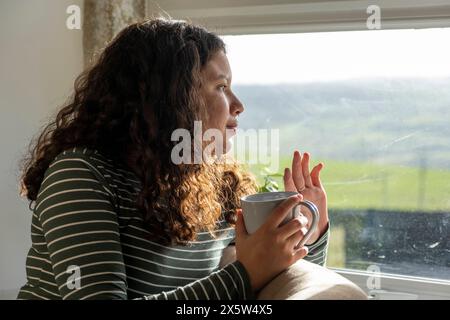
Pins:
x: 374, y: 106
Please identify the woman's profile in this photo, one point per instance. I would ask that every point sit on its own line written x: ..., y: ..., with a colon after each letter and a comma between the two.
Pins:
x: 113, y: 217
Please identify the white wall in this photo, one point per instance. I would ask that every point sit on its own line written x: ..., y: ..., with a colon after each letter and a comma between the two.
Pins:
x: 39, y: 60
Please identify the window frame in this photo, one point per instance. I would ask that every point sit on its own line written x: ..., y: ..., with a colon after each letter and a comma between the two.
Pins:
x: 240, y: 17
x: 393, y: 286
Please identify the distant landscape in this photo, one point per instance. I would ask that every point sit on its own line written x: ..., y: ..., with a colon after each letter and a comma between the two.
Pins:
x: 385, y: 143
x: 386, y: 149
x: 359, y: 185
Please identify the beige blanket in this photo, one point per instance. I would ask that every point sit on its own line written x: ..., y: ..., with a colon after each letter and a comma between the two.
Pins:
x: 305, y: 280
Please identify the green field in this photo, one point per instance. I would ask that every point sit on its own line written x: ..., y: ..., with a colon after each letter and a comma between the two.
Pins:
x: 373, y: 135
x: 357, y: 185
x: 373, y: 186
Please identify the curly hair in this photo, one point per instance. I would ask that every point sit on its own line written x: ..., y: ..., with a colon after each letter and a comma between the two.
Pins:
x: 144, y: 85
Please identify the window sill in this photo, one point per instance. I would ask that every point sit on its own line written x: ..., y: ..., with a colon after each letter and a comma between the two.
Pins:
x: 389, y: 286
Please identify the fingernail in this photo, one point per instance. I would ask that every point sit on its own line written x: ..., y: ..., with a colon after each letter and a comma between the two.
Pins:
x: 303, y: 220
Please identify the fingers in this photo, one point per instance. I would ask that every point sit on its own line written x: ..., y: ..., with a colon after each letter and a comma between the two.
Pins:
x: 241, y: 231
x: 288, y: 182
x: 297, y: 174
x: 315, y: 175
x: 305, y: 170
x: 296, y: 237
x: 302, y: 177
x: 307, y: 215
x: 282, y: 210
x: 292, y: 227
x: 300, y: 253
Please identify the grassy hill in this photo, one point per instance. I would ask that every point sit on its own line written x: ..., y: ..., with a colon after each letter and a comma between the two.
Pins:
x: 401, y: 122
x: 360, y: 185
x: 385, y: 144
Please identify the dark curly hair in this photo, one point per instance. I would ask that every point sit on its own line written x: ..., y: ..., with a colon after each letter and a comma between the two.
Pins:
x: 144, y: 85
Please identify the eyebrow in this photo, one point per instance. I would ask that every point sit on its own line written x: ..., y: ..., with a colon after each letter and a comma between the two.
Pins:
x: 222, y: 76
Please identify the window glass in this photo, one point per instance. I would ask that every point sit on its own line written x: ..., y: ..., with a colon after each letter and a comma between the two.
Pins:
x: 374, y: 106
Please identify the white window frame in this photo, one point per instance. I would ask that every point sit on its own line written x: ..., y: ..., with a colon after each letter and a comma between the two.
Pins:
x: 398, y: 287
x: 233, y: 17
x: 238, y: 17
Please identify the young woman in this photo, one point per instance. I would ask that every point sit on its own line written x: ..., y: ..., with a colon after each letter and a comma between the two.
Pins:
x: 115, y: 218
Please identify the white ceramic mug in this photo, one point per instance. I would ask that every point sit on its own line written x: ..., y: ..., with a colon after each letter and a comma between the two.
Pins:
x: 256, y: 208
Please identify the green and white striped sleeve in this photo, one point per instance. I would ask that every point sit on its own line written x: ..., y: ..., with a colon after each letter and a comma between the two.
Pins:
x: 76, y: 211
x: 318, y: 251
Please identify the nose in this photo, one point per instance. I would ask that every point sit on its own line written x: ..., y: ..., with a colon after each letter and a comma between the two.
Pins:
x: 236, y: 107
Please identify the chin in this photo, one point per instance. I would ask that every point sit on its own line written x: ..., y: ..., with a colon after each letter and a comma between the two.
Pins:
x: 228, y: 146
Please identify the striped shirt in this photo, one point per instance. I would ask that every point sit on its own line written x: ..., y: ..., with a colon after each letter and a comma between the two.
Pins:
x: 89, y: 242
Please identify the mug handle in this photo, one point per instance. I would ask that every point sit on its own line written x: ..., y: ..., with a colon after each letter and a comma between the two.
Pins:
x: 315, y: 220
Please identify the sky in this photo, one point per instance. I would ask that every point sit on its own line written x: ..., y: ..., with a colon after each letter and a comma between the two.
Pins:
x: 328, y: 56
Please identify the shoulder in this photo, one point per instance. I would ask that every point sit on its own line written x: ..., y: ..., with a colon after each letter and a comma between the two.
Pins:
x: 84, y: 163
x: 86, y: 158
x: 77, y: 155
x: 76, y: 166
x: 74, y: 161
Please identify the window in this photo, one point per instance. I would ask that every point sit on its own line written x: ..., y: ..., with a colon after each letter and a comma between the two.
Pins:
x: 375, y: 108
x: 373, y: 105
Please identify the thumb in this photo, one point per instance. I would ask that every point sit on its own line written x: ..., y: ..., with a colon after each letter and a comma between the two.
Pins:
x: 241, y: 231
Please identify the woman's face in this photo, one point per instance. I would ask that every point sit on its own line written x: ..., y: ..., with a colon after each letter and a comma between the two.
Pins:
x: 222, y: 105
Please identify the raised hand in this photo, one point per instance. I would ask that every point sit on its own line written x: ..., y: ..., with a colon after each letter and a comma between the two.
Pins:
x: 308, y: 183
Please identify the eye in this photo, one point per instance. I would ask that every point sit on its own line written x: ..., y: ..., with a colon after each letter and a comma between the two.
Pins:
x: 222, y: 87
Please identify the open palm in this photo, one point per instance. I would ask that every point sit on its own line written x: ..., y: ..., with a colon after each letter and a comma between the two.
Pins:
x: 301, y: 179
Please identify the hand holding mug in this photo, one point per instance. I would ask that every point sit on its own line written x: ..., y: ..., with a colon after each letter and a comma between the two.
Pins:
x: 272, y: 245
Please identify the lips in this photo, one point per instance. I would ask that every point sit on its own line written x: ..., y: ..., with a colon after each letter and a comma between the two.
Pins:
x: 231, y: 129
x: 232, y: 125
